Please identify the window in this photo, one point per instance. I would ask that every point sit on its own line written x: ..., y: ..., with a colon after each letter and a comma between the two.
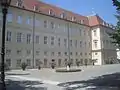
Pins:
x: 19, y: 3
x: 52, y: 54
x: 85, y: 54
x: 19, y: 52
x: 59, y: 62
x: 71, y: 43
x: 89, y: 44
x: 80, y: 31
x: 37, y: 52
x: 96, y: 53
x: 9, y: 17
x: 81, y: 61
x: 81, y: 53
x: 52, y: 25
x: 8, y: 36
x: 28, y: 38
x: 45, y: 24
x: 84, y: 32
x: 45, y: 53
x: 28, y: 20
x: 37, y: 62
x: 28, y: 52
x: 37, y: 39
x: 76, y: 53
x: 59, y: 42
x: 76, y: 43
x: 65, y: 42
x: 8, y: 51
x: 95, y: 43
x: 71, y: 53
x: 59, y: 53
x: 71, y: 61
x: 45, y: 62
x: 65, y: 53
x: 8, y: 62
x: 18, y: 63
x: 19, y: 19
x: 85, y: 44
x: 37, y: 23
x: 62, y: 15
x: 19, y: 37
x: 45, y: 39
x: 52, y: 40
x: 94, y: 32
x: 80, y: 43
x: 28, y: 62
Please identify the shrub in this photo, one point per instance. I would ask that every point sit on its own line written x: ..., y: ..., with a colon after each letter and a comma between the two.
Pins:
x: 23, y: 66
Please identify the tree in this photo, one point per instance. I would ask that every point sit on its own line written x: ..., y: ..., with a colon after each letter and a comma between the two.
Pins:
x: 116, y: 35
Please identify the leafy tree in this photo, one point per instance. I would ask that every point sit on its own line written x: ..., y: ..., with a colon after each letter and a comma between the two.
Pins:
x: 116, y: 35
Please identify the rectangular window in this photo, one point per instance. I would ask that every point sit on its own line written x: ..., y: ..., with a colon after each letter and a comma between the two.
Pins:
x: 76, y: 43
x: 52, y: 40
x: 8, y: 38
x: 71, y: 43
x: 65, y: 53
x: 76, y: 53
x: 37, y: 23
x: 18, y: 64
x: 45, y: 24
x: 80, y: 43
x: 59, y: 42
x: 71, y: 53
x: 80, y: 31
x: 28, y: 62
x: 37, y: 62
x: 19, y: 37
x: 8, y: 62
x: 45, y: 53
x: 59, y: 53
x: 85, y: 44
x: 95, y: 43
x: 28, y: 38
x: 28, y: 52
x: 19, y: 19
x: 19, y: 52
x: 52, y: 25
x: 52, y: 54
x: 65, y: 42
x: 59, y: 62
x: 81, y: 53
x: 45, y: 62
x: 95, y: 33
x: 9, y: 17
x: 8, y: 51
x: 37, y: 39
x: 28, y: 20
x: 37, y: 52
x: 45, y: 39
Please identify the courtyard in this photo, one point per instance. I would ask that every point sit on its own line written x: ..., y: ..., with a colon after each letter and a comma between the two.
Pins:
x: 104, y: 77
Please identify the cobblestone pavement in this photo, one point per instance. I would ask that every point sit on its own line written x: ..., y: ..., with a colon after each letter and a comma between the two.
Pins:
x: 105, y: 77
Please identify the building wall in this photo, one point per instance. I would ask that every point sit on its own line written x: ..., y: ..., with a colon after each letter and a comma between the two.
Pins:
x: 16, y: 52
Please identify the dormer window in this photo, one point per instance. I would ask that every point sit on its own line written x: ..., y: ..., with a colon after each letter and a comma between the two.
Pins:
x: 51, y: 12
x: 62, y: 15
x: 36, y: 8
x: 73, y: 18
x: 19, y: 3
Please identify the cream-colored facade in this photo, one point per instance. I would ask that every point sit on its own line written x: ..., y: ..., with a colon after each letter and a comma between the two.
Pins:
x: 33, y: 37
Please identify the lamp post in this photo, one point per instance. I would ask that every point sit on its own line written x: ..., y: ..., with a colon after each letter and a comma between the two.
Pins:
x: 4, y: 5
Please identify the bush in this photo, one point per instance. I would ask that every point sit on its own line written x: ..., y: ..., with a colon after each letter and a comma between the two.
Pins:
x: 65, y: 70
x: 23, y: 66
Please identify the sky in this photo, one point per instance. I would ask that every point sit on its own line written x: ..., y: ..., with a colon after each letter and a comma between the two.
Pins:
x: 103, y: 8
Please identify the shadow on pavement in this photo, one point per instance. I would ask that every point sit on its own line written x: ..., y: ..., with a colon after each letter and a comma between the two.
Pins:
x: 104, y: 82
x: 24, y: 85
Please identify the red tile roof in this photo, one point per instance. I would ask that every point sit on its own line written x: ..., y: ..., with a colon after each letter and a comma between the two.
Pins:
x: 44, y: 8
